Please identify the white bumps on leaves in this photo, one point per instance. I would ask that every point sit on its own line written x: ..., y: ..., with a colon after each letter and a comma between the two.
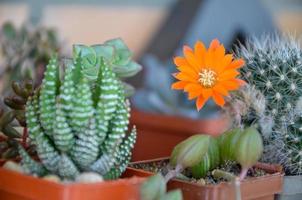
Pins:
x: 89, y: 177
x: 10, y: 165
x: 52, y: 178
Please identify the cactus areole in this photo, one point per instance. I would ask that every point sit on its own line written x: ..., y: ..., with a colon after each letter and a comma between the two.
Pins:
x: 78, y: 119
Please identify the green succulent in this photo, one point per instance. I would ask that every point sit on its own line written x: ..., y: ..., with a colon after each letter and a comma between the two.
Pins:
x: 12, y: 115
x: 78, y: 119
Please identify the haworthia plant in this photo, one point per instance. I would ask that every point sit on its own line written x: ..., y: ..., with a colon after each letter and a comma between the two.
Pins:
x: 79, y: 122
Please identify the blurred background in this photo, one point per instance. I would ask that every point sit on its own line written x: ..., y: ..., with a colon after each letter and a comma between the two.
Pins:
x: 154, y: 30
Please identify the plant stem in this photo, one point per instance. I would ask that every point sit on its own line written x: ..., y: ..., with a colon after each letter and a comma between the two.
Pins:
x: 173, y: 173
x: 237, y: 188
x: 243, y: 173
x: 24, y: 137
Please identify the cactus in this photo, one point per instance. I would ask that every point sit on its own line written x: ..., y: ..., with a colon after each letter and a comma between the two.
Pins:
x: 286, y: 146
x: 274, y: 68
x: 79, y: 124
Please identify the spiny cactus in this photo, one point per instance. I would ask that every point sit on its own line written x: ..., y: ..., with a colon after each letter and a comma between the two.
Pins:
x: 79, y: 123
x: 274, y: 68
x: 285, y: 146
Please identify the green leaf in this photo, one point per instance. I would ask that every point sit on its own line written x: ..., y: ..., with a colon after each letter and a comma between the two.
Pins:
x: 153, y: 188
x: 88, y: 55
x: 191, y: 151
x: 104, y: 51
x: 227, y: 144
x: 129, y: 89
x: 117, y: 43
x: 209, y: 161
x: 91, y: 73
x: 131, y: 69
x: 122, y: 57
x: 249, y: 147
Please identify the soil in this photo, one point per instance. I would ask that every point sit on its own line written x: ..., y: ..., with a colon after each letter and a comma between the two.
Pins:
x: 231, y: 167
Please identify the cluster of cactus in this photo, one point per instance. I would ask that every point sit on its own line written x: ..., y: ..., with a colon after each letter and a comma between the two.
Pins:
x: 79, y: 117
x: 25, y: 52
x: 15, y: 113
x: 156, y: 95
x: 274, y: 68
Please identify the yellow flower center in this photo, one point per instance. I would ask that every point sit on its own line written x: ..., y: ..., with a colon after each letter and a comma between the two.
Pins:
x: 207, y: 78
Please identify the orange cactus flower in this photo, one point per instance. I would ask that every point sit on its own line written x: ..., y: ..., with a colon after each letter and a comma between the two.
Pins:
x: 207, y: 73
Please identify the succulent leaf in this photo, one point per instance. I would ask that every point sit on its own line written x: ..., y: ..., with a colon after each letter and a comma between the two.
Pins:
x: 48, y: 96
x: 30, y: 165
x: 191, y: 151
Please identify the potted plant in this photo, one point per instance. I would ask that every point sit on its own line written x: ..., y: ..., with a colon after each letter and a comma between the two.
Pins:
x: 201, y: 162
x: 274, y: 68
x: 78, y: 121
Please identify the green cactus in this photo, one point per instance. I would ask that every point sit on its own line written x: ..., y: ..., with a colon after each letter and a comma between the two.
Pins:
x: 274, y: 69
x: 79, y: 123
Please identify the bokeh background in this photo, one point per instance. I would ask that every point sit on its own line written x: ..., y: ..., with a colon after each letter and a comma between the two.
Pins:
x: 137, y: 21
x: 155, y: 31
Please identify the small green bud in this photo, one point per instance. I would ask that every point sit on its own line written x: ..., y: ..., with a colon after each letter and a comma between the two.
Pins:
x: 190, y: 151
x: 153, y: 188
x: 227, y: 144
x: 249, y: 147
x: 209, y: 161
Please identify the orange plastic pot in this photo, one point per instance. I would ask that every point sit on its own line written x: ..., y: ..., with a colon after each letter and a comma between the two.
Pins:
x: 258, y: 188
x: 16, y: 186
x: 159, y: 134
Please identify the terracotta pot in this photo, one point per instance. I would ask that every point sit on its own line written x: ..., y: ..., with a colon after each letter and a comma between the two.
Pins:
x: 292, y: 188
x: 159, y: 134
x: 258, y: 188
x: 16, y: 186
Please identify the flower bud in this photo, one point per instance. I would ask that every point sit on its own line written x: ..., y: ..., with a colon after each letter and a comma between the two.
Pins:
x: 190, y: 151
x: 249, y: 147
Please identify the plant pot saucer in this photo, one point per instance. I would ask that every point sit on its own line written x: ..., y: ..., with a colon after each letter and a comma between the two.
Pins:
x: 256, y: 188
